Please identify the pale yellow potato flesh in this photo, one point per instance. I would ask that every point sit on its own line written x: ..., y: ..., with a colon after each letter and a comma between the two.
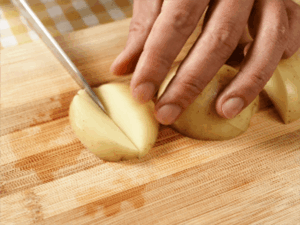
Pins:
x: 284, y: 88
x: 136, y: 120
x: 201, y: 121
x: 128, y: 130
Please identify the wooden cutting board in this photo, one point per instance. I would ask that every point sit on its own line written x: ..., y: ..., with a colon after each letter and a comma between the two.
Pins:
x: 48, y: 177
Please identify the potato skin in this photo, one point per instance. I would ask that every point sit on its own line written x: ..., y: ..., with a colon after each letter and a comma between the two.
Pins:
x: 201, y: 121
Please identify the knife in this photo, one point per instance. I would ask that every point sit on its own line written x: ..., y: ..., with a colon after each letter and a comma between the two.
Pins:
x: 51, y: 43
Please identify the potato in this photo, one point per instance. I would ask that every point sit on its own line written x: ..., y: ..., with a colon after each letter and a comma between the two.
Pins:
x: 201, y: 121
x: 284, y: 88
x: 128, y: 130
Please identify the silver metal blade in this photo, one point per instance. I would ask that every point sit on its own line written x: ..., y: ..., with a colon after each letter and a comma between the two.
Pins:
x: 51, y: 43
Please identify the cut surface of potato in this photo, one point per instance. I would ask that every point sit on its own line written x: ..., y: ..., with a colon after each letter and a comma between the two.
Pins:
x: 201, y: 121
x: 127, y: 130
x: 137, y: 121
x: 284, y: 88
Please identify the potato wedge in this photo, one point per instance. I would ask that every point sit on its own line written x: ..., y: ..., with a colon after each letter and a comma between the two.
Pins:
x: 201, y: 121
x: 128, y: 130
x: 284, y: 88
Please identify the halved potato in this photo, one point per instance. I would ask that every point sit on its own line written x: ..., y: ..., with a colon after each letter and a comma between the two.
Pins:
x: 201, y: 121
x: 128, y: 130
x: 284, y: 88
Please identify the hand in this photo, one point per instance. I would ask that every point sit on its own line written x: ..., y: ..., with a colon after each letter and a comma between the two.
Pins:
x: 159, y: 30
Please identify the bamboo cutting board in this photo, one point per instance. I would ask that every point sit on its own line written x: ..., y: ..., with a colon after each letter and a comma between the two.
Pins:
x: 48, y: 177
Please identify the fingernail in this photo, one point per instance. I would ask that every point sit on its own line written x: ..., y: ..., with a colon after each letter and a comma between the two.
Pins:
x: 167, y: 114
x: 144, y: 92
x: 232, y: 107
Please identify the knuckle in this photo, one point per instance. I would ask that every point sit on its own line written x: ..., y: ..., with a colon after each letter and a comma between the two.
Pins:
x: 182, y: 21
x: 164, y: 62
x: 283, y: 34
x: 190, y: 88
x: 138, y: 27
x: 158, y: 61
x: 279, y: 32
x: 258, y: 81
x: 225, y: 39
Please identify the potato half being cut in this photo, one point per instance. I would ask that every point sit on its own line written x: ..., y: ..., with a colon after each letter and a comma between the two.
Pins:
x: 201, y: 121
x: 128, y: 130
x: 284, y: 88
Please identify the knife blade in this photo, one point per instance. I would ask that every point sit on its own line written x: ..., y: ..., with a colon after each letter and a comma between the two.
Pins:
x: 51, y: 43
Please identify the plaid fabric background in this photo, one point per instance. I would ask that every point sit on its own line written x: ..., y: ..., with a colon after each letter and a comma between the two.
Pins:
x: 59, y: 16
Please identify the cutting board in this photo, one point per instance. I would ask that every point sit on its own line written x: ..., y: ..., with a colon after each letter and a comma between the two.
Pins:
x: 49, y: 177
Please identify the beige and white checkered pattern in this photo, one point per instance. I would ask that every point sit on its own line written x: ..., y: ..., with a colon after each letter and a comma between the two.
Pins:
x: 59, y: 17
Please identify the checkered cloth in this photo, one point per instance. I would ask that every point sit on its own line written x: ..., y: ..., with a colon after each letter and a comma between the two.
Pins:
x: 59, y: 17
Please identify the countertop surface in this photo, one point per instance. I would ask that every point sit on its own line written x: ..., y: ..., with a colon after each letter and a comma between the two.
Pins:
x: 49, y: 177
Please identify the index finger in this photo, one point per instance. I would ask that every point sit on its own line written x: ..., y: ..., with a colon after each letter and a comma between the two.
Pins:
x: 176, y: 22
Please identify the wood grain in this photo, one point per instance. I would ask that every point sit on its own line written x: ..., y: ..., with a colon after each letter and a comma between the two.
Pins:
x: 48, y: 177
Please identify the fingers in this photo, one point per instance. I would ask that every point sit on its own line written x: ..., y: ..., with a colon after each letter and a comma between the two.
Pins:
x: 145, y: 13
x: 223, y: 28
x: 293, y: 12
x: 176, y: 22
x: 270, y: 25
